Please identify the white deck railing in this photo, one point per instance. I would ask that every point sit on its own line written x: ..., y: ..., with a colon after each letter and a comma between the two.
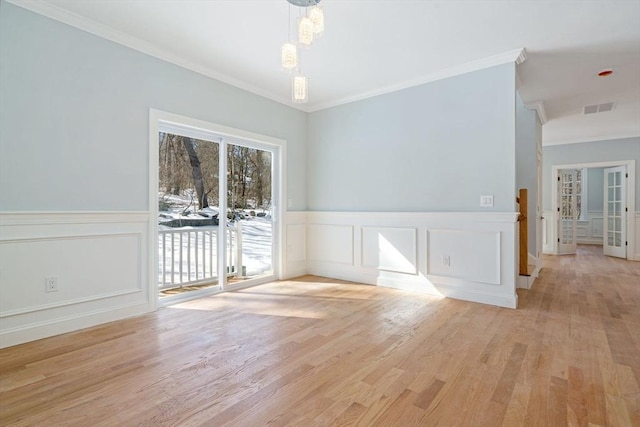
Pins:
x: 189, y: 256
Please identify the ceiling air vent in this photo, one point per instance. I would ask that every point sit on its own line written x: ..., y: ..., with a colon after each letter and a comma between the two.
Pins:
x: 598, y: 108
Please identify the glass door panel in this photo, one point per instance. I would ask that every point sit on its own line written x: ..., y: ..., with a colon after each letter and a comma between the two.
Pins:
x: 615, y: 212
x: 250, y: 212
x: 567, y: 207
x: 188, y: 203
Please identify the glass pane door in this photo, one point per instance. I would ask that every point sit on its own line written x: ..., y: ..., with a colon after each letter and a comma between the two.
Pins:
x: 615, y: 212
x: 567, y: 205
x: 250, y: 212
x: 188, y: 203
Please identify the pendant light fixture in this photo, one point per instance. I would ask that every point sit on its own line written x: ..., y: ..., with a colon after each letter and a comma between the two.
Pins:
x: 316, y: 14
x: 305, y: 31
x: 310, y: 24
x: 300, y: 89
x: 289, y: 52
x: 289, y: 57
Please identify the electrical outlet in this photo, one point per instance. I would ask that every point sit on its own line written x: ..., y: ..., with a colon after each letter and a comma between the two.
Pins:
x: 446, y: 260
x: 51, y: 284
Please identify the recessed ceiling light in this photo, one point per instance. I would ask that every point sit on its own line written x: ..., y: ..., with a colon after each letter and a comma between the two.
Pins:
x: 605, y: 73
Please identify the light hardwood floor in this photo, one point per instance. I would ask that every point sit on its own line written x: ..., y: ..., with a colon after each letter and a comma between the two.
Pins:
x: 318, y: 352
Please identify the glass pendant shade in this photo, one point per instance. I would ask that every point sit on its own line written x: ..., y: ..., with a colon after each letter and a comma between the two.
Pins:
x: 289, y: 56
x: 316, y: 14
x: 299, y: 91
x: 305, y: 31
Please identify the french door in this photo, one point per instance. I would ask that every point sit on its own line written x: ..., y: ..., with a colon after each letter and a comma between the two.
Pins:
x: 567, y: 209
x: 615, y: 214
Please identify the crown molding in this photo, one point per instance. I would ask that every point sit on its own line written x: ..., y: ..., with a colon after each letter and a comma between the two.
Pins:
x: 522, y: 56
x: 43, y: 7
x: 516, y: 56
x: 539, y: 107
x: 601, y: 138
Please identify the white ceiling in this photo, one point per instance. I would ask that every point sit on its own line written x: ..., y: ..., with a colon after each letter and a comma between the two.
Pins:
x: 373, y: 46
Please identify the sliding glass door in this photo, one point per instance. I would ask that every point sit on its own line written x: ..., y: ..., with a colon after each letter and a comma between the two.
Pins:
x: 214, y: 234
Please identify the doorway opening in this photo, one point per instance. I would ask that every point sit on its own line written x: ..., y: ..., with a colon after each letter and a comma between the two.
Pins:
x: 599, y: 215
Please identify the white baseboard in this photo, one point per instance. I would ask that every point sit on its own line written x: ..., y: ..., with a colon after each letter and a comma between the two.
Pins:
x: 526, y: 282
x: 592, y: 241
x: 75, y: 322
x: 295, y: 272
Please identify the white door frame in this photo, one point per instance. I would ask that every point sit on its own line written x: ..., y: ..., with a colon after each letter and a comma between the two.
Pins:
x: 539, y: 211
x: 631, y: 196
x: 158, y: 119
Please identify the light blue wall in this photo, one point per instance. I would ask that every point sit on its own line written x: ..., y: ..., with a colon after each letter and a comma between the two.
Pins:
x: 74, y: 117
x: 528, y: 133
x: 434, y: 147
x: 590, y: 152
x: 595, y: 189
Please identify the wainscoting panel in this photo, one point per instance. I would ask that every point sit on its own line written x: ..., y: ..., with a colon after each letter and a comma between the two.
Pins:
x: 76, y: 277
x: 582, y: 230
x: 331, y: 243
x: 407, y: 251
x: 597, y: 227
x: 99, y: 260
x: 390, y: 249
x: 590, y: 231
x: 295, y: 256
x: 453, y: 253
x: 296, y: 242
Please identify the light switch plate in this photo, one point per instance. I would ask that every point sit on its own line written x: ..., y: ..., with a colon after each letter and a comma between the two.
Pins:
x: 486, y: 201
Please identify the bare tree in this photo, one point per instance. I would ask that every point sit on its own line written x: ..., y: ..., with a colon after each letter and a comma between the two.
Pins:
x: 196, y: 172
x: 189, y: 168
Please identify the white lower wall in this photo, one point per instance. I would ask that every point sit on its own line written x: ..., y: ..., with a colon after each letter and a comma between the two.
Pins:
x: 636, y: 245
x: 589, y: 231
x: 100, y: 262
x: 295, y: 237
x: 470, y: 256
